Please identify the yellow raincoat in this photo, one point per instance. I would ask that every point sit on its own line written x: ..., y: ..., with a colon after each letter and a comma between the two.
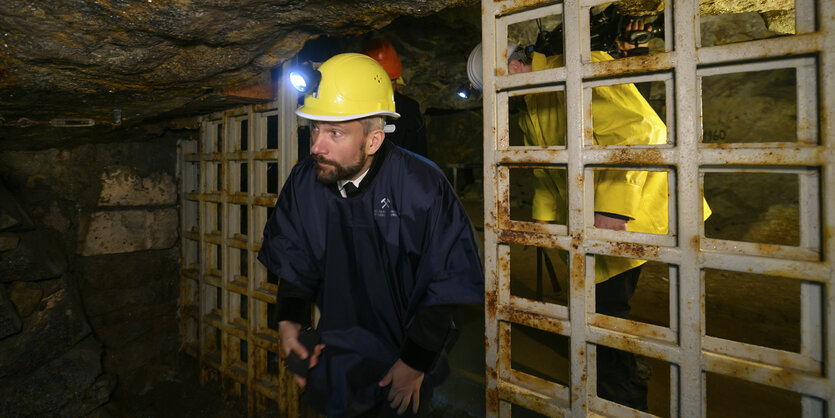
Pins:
x: 621, y: 117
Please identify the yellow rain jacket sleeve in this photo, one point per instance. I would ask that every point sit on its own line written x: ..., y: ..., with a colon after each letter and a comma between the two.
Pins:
x: 621, y: 116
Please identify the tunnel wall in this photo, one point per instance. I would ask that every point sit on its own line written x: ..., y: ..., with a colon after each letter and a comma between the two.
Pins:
x: 89, y: 263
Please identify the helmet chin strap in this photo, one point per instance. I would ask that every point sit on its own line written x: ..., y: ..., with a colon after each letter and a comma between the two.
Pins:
x: 388, y: 128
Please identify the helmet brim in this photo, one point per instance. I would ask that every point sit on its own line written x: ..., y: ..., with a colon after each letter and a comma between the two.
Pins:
x: 345, y: 118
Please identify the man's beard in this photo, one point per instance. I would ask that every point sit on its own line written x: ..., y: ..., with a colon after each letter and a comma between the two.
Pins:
x: 333, y: 172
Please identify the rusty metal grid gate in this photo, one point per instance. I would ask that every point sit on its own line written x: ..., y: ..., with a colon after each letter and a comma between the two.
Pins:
x: 683, y: 344
x: 231, y: 177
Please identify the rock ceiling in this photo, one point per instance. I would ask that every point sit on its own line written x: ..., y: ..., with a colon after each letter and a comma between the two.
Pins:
x: 64, y: 59
x: 122, y: 64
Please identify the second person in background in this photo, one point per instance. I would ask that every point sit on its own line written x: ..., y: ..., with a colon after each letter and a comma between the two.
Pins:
x: 409, y: 132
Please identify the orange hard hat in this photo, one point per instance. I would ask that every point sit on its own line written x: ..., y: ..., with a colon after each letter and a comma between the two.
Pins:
x: 383, y: 52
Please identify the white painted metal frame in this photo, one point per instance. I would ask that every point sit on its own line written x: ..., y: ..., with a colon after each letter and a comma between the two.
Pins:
x: 683, y: 344
x: 225, y: 292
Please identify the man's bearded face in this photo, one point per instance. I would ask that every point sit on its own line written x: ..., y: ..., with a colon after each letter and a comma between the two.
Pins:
x: 339, y: 150
x: 328, y: 171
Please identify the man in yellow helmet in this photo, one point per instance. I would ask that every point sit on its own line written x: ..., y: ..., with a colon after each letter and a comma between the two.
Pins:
x: 627, y: 200
x: 376, y: 237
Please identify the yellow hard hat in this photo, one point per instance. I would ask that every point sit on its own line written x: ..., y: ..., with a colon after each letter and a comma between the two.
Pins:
x: 353, y: 86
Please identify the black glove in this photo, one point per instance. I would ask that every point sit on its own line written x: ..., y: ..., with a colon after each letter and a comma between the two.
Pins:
x: 309, y: 338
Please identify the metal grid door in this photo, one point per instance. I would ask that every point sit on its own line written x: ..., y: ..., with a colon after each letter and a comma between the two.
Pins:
x: 231, y: 177
x: 688, y: 159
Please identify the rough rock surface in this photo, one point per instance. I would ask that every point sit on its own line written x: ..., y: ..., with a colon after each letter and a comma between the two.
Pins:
x: 25, y: 296
x: 12, y: 216
x: 72, y: 326
x: 122, y: 186
x: 70, y: 385
x: 112, y: 232
x: 8, y: 241
x: 38, y: 256
x: 9, y: 320
x: 718, y: 7
x: 738, y: 27
x: 56, y: 326
x: 124, y: 65
x: 83, y: 60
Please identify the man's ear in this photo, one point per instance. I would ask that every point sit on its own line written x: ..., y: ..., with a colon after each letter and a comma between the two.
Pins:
x: 514, y: 67
x: 374, y: 141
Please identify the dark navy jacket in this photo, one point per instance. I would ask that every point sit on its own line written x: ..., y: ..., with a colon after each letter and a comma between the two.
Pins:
x: 371, y: 261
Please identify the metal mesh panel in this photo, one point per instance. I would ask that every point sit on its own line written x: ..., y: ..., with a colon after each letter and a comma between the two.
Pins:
x: 693, y: 359
x: 230, y: 181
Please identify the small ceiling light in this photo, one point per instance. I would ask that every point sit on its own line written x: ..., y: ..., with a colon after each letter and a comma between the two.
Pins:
x: 304, y: 78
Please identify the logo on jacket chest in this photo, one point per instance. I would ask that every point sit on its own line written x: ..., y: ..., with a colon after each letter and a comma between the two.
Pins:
x: 384, y: 208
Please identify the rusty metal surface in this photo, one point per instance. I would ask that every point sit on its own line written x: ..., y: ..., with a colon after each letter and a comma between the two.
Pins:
x: 532, y: 307
x: 764, y: 355
x: 786, y: 46
x: 797, y: 255
x: 826, y: 20
x: 683, y: 344
x: 653, y: 334
x: 656, y: 62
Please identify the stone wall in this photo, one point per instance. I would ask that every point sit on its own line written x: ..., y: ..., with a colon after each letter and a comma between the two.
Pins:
x: 89, y: 275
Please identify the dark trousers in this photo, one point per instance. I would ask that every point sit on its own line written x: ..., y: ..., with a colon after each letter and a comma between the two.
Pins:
x: 617, y: 377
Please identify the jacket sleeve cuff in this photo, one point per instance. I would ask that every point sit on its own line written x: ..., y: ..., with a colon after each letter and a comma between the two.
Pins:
x: 293, y: 303
x: 416, y: 356
x: 614, y: 215
x: 293, y: 309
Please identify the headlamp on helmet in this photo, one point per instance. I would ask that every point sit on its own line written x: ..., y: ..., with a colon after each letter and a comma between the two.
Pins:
x: 466, y: 90
x: 304, y: 78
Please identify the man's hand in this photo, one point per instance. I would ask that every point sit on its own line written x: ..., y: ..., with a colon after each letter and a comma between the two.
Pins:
x: 405, y: 386
x: 288, y: 332
x: 608, y: 222
x: 632, y: 26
